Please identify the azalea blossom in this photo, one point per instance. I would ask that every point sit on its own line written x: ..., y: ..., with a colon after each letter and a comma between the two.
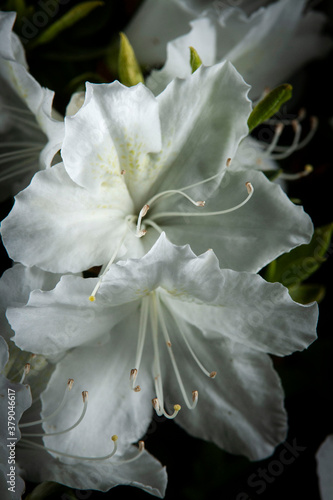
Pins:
x: 324, y: 457
x: 266, y: 45
x: 31, y: 132
x: 136, y: 165
x: 179, y: 331
x: 66, y: 435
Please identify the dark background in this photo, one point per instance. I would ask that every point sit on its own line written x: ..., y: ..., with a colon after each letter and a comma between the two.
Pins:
x: 197, y: 469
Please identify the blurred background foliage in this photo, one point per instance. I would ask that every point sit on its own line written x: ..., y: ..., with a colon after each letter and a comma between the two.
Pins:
x: 79, y: 42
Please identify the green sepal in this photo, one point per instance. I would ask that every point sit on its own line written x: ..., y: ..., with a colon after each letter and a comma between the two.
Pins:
x: 195, y: 60
x: 50, y: 490
x: 307, y: 293
x: 296, y: 266
x: 269, y: 105
x: 71, y: 17
x: 128, y: 68
x: 273, y: 174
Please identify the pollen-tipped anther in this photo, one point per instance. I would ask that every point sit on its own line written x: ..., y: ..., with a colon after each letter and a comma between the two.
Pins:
x: 249, y: 187
x: 228, y: 162
x: 212, y: 374
x: 85, y: 396
x: 70, y: 383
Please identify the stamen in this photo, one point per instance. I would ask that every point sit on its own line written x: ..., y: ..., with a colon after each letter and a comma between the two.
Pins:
x: 26, y: 370
x: 141, y: 342
x: 142, y: 213
x: 85, y: 406
x: 278, y: 131
x: 161, y: 411
x: 294, y: 145
x: 68, y: 455
x: 158, y: 402
x: 250, y: 191
x: 92, y: 297
x: 198, y: 362
x: 135, y: 457
x: 308, y: 169
x: 58, y: 410
x: 172, y: 357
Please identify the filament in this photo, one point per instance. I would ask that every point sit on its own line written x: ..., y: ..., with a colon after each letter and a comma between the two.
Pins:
x: 250, y: 191
x: 84, y: 410
x: 192, y: 405
x: 141, y: 341
x: 58, y: 410
x: 68, y: 455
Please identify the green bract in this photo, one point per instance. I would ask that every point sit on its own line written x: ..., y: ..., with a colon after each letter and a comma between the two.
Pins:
x: 269, y: 105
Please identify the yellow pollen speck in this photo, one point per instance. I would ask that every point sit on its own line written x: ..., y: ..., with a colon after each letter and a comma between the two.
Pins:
x: 177, y: 407
x: 92, y: 298
x: 114, y: 437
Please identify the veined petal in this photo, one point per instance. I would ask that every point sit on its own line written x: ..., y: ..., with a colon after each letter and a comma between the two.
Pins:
x: 63, y: 318
x: 64, y: 227
x: 111, y: 134
x: 203, y: 126
x: 145, y: 473
x: 241, y: 409
x: 248, y: 310
x: 245, y: 239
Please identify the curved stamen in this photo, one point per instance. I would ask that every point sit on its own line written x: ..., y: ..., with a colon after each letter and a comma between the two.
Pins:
x: 135, y: 457
x: 209, y: 374
x: 158, y: 402
x: 294, y: 145
x: 142, y: 213
x: 84, y: 410
x: 277, y: 134
x: 161, y: 411
x: 149, y: 222
x: 192, y: 405
x: 141, y: 342
x: 58, y: 410
x: 68, y: 455
x: 250, y: 191
x: 308, y: 169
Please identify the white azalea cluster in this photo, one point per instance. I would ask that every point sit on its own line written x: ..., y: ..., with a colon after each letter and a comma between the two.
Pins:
x: 137, y: 234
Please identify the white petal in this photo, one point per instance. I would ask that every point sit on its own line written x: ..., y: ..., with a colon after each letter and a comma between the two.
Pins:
x: 246, y: 239
x: 241, y: 409
x: 248, y: 310
x: 113, y: 132
x: 155, y: 23
x: 62, y: 318
x: 60, y: 226
x: 203, y: 119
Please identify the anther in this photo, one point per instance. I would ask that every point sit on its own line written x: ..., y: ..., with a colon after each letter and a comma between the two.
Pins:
x: 168, y: 343
x: 114, y: 438
x: 228, y: 162
x: 249, y: 187
x: 195, y: 396
x: 213, y: 374
x: 70, y: 383
x: 123, y: 172
x: 85, y: 396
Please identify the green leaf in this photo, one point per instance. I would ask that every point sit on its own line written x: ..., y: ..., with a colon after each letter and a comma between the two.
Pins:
x: 128, y: 68
x: 50, y: 490
x: 296, y: 266
x: 195, y: 60
x: 307, y: 293
x: 269, y: 105
x: 71, y: 17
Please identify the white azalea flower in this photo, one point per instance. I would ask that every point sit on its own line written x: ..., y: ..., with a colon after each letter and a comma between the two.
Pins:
x: 170, y: 321
x: 324, y: 457
x: 31, y: 135
x: 266, y: 46
x: 125, y: 151
x: 65, y: 438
